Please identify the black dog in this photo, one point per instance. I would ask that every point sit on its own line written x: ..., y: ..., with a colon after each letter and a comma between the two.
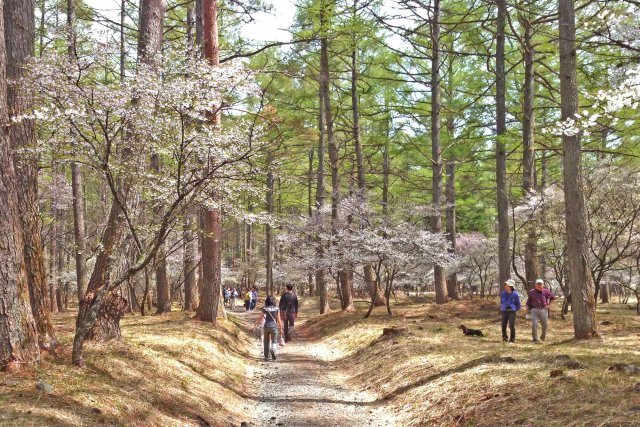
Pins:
x: 471, y: 332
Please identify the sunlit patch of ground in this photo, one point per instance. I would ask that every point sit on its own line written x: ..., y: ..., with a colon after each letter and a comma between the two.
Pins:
x: 433, y: 375
x: 167, y: 370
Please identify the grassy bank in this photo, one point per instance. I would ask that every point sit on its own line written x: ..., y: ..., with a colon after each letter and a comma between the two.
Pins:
x: 166, y: 371
x: 433, y: 375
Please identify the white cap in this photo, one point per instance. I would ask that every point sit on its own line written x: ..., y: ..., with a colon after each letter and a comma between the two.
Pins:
x: 511, y: 283
x: 539, y: 281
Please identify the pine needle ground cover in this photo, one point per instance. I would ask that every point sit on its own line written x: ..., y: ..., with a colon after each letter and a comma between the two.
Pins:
x: 432, y: 375
x: 166, y: 371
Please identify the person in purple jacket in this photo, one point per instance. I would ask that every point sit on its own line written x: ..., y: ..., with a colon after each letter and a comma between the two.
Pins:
x: 509, y: 305
x: 538, y: 305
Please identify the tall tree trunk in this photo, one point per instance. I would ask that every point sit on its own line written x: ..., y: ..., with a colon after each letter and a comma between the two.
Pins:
x: 60, y: 250
x: 248, y: 228
x: 502, y: 196
x: 76, y: 176
x: 578, y: 270
x: 210, y: 218
x: 268, y: 230
x: 162, y: 281
x: 452, y: 279
x: 19, y: 33
x: 321, y: 284
x: 18, y: 329
x: 149, y: 47
x: 439, y: 280
x: 310, y: 207
x: 199, y: 29
x: 369, y: 274
x: 531, y: 262
x: 347, y: 296
x: 189, y: 264
x: 386, y: 171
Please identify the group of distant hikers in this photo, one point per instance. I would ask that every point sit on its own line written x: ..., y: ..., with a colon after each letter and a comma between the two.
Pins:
x: 231, y: 294
x: 536, y: 308
x: 277, y: 321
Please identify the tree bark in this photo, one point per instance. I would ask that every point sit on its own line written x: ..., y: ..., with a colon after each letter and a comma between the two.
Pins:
x: 452, y: 279
x: 369, y: 274
x: 268, y: 230
x: 210, y: 290
x: 162, y: 281
x: 502, y: 196
x: 604, y: 293
x: 321, y: 285
x: 211, y: 284
x: 436, y: 149
x: 18, y: 330
x: 189, y: 264
x: 578, y: 270
x: 531, y: 261
x: 19, y: 32
x: 347, y: 295
x: 76, y: 176
x: 199, y: 29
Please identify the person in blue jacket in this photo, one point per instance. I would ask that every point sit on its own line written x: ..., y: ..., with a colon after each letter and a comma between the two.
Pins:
x: 509, y: 305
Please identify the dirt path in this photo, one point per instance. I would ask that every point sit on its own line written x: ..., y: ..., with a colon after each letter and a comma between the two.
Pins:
x: 304, y: 387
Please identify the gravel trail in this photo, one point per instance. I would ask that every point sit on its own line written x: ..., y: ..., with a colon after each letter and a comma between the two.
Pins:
x: 306, y: 387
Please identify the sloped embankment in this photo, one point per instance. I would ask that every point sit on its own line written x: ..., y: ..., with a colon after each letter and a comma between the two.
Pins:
x: 430, y: 374
x: 167, y: 370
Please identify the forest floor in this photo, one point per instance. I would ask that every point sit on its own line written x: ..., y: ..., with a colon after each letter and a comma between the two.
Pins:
x: 170, y: 370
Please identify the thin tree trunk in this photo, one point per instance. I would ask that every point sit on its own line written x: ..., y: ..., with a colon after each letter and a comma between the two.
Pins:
x: 452, y: 279
x: 321, y: 285
x: 19, y: 32
x: 199, y: 29
x: 369, y: 274
x: 386, y: 171
x: 502, y: 196
x: 531, y: 261
x: 578, y: 270
x: 333, y: 147
x: 162, y: 281
x: 123, y: 51
x: 439, y: 279
x: 268, y: 229
x: 76, y: 177
x: 189, y: 265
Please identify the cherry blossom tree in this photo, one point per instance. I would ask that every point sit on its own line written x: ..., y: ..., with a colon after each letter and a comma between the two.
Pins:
x: 113, y: 135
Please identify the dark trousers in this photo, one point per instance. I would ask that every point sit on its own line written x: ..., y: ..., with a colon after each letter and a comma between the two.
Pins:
x: 509, y: 316
x: 289, y: 322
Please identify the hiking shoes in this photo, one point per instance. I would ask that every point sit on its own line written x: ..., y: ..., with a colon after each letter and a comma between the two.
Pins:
x: 273, y: 354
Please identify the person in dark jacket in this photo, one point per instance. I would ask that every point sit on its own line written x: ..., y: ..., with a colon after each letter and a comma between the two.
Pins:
x: 289, y: 311
x: 509, y: 305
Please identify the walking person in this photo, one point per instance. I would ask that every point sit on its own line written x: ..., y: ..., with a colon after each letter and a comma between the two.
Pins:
x: 254, y: 298
x: 538, y: 306
x: 247, y: 300
x: 272, y: 325
x: 234, y: 295
x: 509, y: 305
x: 289, y: 311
